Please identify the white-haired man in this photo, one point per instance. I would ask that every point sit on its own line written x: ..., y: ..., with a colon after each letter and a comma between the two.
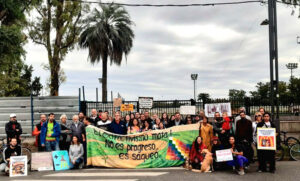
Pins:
x: 77, y: 128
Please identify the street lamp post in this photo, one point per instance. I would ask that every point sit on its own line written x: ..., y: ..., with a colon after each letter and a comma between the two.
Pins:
x: 292, y: 66
x: 273, y: 52
x: 194, y: 78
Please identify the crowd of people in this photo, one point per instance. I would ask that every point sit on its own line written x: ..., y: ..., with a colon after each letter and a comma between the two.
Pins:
x: 223, y: 132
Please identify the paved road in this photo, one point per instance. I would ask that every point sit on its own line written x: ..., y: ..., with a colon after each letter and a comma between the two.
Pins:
x: 286, y: 171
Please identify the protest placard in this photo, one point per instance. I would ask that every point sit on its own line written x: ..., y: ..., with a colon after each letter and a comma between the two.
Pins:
x: 18, y: 166
x: 151, y: 149
x: 126, y: 107
x: 61, y: 160
x: 188, y: 110
x: 41, y: 161
x: 117, y: 102
x: 224, y: 155
x: 145, y: 102
x: 266, y: 138
x: 210, y: 109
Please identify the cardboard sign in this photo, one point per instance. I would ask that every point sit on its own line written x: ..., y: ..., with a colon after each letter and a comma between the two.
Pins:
x: 18, y: 166
x: 127, y: 107
x: 61, y: 160
x: 117, y: 102
x: 145, y: 102
x: 210, y: 109
x: 188, y: 110
x: 41, y: 161
x: 224, y: 155
x: 266, y: 138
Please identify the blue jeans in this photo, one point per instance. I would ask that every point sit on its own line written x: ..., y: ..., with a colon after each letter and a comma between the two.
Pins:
x: 52, y: 146
x: 238, y: 161
x: 77, y: 163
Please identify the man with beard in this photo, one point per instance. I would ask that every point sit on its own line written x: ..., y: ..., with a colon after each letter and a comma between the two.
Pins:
x: 244, y: 135
x: 13, y: 129
x: 37, y: 131
x: 12, y: 150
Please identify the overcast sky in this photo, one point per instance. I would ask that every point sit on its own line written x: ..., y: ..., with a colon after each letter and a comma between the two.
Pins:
x: 225, y: 45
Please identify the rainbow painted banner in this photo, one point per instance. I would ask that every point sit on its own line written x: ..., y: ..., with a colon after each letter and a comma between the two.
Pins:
x: 151, y: 149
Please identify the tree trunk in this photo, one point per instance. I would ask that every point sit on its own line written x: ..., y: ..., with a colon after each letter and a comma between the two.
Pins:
x: 54, y: 79
x: 104, y: 78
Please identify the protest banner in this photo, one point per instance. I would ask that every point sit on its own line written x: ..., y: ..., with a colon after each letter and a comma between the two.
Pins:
x: 151, y: 149
x: 117, y: 102
x: 210, y: 109
x: 41, y: 161
x: 266, y: 138
x: 224, y: 155
x: 126, y: 107
x: 188, y: 110
x: 61, y: 160
x: 145, y: 102
x: 18, y: 166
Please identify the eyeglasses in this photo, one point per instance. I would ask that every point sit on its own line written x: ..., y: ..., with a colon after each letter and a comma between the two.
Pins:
x: 258, y: 115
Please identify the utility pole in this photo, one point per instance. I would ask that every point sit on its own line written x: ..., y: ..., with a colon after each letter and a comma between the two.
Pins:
x: 273, y: 50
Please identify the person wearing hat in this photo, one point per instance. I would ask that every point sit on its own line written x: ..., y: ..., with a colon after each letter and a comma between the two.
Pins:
x: 13, y: 129
x: 216, y: 145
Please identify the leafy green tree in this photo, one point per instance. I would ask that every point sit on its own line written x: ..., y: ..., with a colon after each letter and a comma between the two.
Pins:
x: 236, y: 94
x: 107, y: 33
x: 15, y: 76
x: 57, y: 27
x: 294, y: 88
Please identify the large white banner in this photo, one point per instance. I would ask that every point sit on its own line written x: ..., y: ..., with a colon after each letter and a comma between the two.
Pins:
x: 210, y: 109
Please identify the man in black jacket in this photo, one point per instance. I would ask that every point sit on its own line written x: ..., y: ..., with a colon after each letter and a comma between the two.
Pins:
x: 13, y: 129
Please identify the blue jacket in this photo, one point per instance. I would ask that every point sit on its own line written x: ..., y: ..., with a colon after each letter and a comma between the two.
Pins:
x: 56, y: 131
x: 118, y: 128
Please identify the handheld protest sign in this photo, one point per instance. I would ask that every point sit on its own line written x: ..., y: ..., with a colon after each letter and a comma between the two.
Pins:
x: 61, y: 160
x: 211, y: 109
x: 188, y: 110
x: 266, y: 138
x: 126, y: 107
x: 224, y: 155
x: 41, y: 161
x: 18, y: 166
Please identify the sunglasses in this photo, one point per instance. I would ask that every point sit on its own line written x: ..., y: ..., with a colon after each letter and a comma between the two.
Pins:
x: 258, y: 115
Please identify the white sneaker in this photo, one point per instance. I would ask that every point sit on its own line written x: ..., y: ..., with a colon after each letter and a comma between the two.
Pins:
x: 241, y: 172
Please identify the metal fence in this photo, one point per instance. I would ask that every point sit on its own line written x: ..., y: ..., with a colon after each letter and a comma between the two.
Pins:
x: 252, y: 105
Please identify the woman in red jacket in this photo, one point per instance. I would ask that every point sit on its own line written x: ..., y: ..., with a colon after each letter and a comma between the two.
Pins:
x: 200, y: 157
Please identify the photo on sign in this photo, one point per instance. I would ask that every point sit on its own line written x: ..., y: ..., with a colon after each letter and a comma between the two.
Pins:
x: 266, y: 138
x: 211, y: 109
x: 18, y: 166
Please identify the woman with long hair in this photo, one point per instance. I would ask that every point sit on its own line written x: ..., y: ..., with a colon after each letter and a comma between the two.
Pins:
x: 76, y: 153
x: 165, y: 119
x: 206, y: 132
x: 134, y: 127
x: 147, y: 126
x: 239, y: 161
x: 200, y: 157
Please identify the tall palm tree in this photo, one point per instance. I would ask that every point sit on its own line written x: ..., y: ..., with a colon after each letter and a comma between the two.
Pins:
x: 107, y: 33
